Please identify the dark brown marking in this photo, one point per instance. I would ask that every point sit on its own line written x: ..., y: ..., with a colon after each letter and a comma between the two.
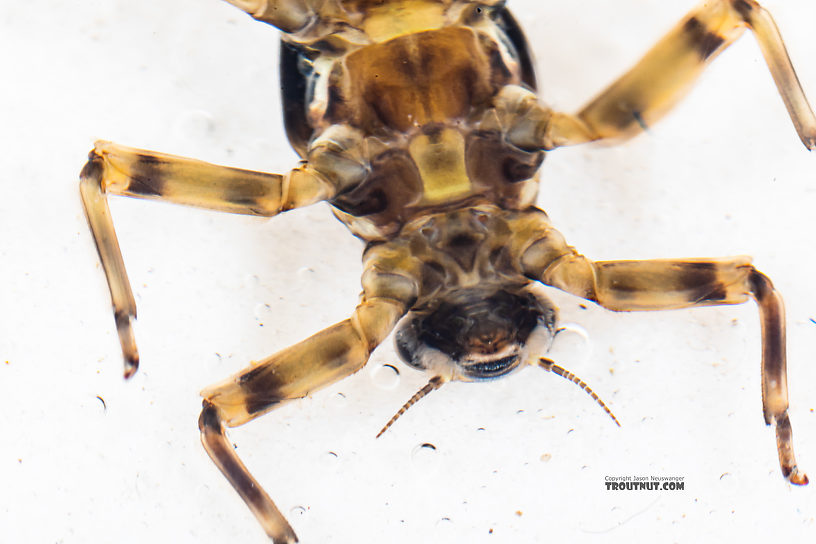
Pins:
x: 264, y: 385
x: 698, y: 281
x: 123, y: 326
x: 716, y: 294
x: 698, y: 275
x: 209, y: 418
x: 463, y: 247
x: 514, y: 170
x: 772, y: 322
x: 263, y: 389
x: 93, y: 168
x: 462, y: 239
x: 336, y: 108
x: 761, y: 286
x: 497, y: 167
x: 640, y: 120
x: 295, y: 94
x: 261, y: 402
x: 704, y: 41
x: 701, y: 265
x: 392, y: 186
x: 209, y: 424
x: 626, y: 112
x: 147, y: 178
x: 499, y: 72
x: 505, y: 20
x: 433, y: 131
x: 433, y: 277
x: 745, y: 9
x: 500, y: 259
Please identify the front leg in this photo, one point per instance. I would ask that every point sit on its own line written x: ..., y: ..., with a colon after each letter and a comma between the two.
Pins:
x: 390, y: 286
x: 667, y: 284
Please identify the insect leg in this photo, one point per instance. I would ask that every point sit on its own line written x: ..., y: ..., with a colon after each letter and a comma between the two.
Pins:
x: 390, y: 286
x: 287, y: 15
x: 662, y: 77
x: 116, y: 169
x: 665, y: 284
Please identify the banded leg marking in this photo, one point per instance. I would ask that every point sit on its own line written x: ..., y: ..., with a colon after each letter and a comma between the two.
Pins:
x: 390, y: 285
x: 666, y: 284
x: 121, y: 170
x: 662, y: 77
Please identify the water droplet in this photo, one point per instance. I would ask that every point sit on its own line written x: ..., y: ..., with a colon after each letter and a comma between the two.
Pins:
x: 385, y: 376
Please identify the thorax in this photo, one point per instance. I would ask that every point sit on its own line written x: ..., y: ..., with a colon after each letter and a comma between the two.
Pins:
x: 416, y: 80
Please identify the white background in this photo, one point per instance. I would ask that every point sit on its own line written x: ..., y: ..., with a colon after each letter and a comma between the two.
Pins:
x: 524, y: 457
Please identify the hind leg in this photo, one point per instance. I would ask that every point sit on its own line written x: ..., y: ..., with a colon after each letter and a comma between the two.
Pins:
x: 651, y: 88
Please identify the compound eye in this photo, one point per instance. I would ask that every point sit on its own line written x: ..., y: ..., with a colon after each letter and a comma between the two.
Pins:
x: 408, y: 344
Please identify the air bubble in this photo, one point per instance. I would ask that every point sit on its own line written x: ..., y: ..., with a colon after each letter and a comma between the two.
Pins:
x: 305, y: 271
x: 445, y: 527
x: 571, y: 346
x: 425, y: 457
x: 297, y: 512
x: 263, y: 312
x: 385, y: 376
x: 728, y: 482
x: 336, y: 402
x: 251, y: 281
x: 329, y: 458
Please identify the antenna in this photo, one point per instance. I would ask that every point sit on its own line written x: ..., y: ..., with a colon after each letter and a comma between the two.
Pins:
x: 550, y: 366
x: 435, y: 383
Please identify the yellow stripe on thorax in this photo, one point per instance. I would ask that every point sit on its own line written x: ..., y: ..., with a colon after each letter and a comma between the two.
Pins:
x: 440, y: 158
